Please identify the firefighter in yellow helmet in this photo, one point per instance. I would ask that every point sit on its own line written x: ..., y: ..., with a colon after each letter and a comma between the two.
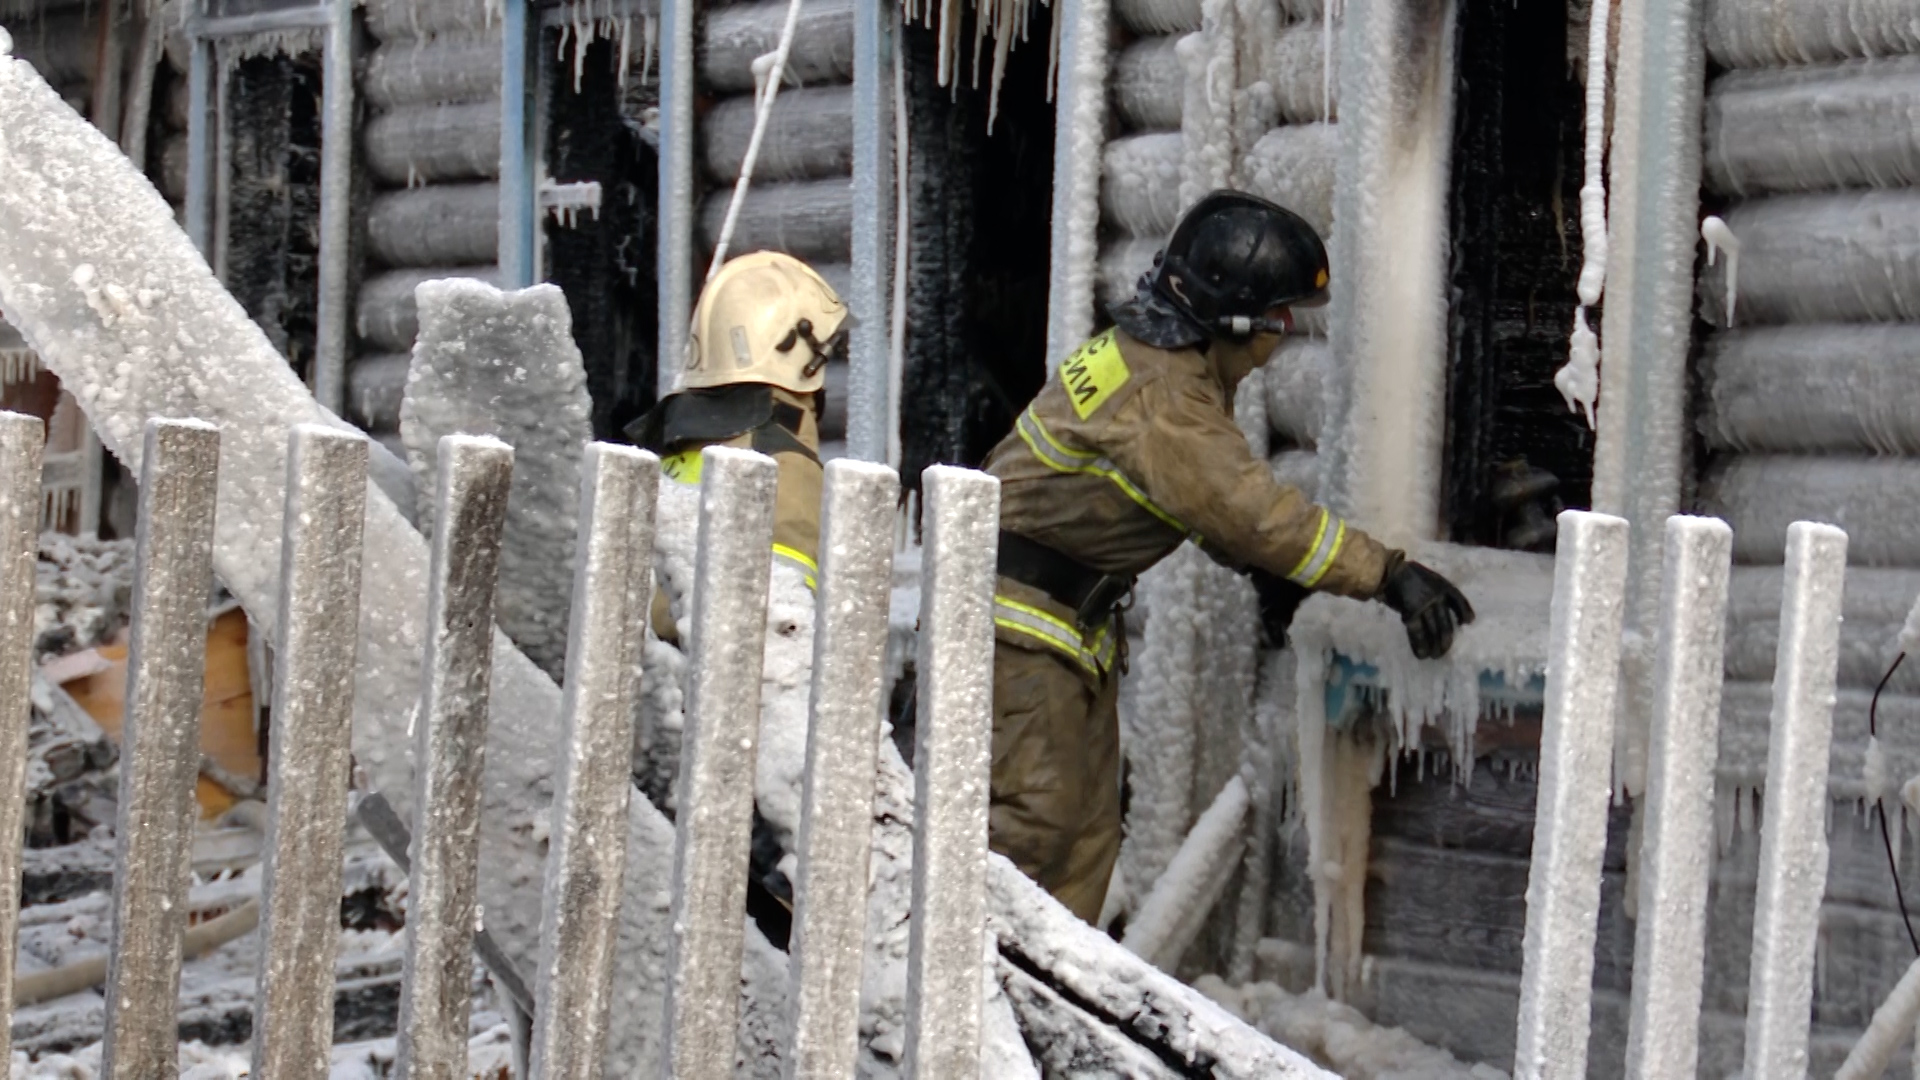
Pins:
x: 754, y: 377
x: 1131, y: 451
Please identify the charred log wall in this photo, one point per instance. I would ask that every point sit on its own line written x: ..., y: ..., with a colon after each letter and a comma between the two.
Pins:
x: 980, y: 205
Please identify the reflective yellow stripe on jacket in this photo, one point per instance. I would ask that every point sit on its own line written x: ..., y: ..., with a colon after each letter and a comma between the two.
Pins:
x: 684, y: 468
x: 1328, y: 538
x: 1094, y: 652
x: 799, y: 561
x: 1058, y: 457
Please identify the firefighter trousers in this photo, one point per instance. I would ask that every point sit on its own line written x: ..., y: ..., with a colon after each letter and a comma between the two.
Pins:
x: 1056, y: 774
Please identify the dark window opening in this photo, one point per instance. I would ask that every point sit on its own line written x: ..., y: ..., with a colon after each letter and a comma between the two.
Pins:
x: 605, y: 263
x: 1515, y: 452
x: 981, y: 207
x: 273, y: 217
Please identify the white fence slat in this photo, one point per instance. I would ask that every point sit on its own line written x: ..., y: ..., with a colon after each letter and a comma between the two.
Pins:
x: 1663, y: 1030
x: 22, y: 443
x: 849, y: 697
x: 611, y: 588
x: 1570, y: 831
x: 722, y: 729
x: 436, y: 995
x: 1793, y: 820
x: 308, y: 752
x: 952, y: 758
x: 160, y: 760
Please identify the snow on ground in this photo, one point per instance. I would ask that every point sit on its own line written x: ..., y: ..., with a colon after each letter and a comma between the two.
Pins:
x: 1338, y: 1036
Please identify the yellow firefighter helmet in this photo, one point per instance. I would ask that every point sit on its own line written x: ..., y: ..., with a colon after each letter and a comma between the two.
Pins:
x: 764, y: 318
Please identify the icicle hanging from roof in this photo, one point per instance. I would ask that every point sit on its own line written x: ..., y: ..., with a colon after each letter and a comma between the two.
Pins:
x: 1006, y: 22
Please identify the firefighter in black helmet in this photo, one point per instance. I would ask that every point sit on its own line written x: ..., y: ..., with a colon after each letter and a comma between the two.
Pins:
x: 1129, y: 453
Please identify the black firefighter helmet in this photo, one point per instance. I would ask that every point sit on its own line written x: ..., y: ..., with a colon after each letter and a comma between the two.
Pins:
x: 1234, y: 258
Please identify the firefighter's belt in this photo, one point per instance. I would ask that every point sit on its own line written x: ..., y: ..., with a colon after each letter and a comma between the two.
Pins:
x: 1091, y: 594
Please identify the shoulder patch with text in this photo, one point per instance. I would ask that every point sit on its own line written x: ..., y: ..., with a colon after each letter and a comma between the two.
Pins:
x: 1093, y: 373
x: 683, y: 467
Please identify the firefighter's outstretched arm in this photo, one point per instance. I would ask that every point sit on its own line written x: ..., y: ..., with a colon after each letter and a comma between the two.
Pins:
x: 1192, y: 462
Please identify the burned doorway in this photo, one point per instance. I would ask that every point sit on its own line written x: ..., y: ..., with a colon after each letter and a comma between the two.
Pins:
x: 980, y: 207
x: 604, y: 259
x: 1514, y: 450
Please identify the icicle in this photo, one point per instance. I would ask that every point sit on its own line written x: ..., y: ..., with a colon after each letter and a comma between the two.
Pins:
x: 626, y: 39
x: 1579, y: 379
x: 1720, y: 238
x: 1326, y: 61
x: 17, y: 366
x: 1874, y: 772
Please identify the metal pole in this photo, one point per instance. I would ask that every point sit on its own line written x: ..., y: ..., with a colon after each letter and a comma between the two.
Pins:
x: 1669, y: 949
x: 611, y: 588
x: 517, y: 152
x: 953, y: 743
x: 1793, y: 822
x: 336, y: 213
x: 674, y: 266
x: 1082, y: 98
x: 722, y: 729
x: 873, y: 195
x: 318, y: 636
x: 836, y: 814
x: 1653, y: 228
x: 22, y: 441
x: 1570, y: 830
x: 200, y: 140
x: 450, y: 735
x: 160, y: 760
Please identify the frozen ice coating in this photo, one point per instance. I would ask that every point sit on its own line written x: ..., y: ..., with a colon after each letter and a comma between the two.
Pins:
x: 504, y: 364
x: 1814, y: 127
x: 1579, y: 380
x: 1085, y: 56
x: 1720, y: 239
x: 1170, y: 916
x: 1759, y: 33
x: 1891, y: 1026
x: 1793, y: 834
x: 1676, y: 856
x: 1814, y: 389
x: 1340, y: 1034
x: 114, y: 298
x: 1808, y: 260
x: 1761, y: 495
x: 1570, y: 831
x: 1386, y: 409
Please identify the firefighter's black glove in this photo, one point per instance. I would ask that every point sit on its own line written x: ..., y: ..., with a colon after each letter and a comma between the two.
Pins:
x: 1279, y: 599
x: 1429, y: 604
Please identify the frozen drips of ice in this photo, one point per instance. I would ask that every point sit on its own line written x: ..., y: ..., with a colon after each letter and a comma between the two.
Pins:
x: 1720, y: 238
x: 1579, y: 379
x: 1874, y: 776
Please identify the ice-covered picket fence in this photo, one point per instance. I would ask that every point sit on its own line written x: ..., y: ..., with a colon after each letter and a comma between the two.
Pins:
x: 1563, y: 890
x: 317, y: 634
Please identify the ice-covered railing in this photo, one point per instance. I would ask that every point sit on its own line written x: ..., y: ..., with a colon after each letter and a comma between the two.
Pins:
x: 318, y: 631
x: 1563, y: 891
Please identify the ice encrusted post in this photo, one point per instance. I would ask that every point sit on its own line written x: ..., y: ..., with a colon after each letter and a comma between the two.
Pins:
x: 1663, y: 1032
x: 613, y: 580
x: 160, y: 761
x: 836, y: 819
x: 953, y: 743
x: 317, y: 638
x: 1570, y: 829
x: 450, y: 733
x: 22, y: 440
x: 722, y: 729
x: 1793, y: 823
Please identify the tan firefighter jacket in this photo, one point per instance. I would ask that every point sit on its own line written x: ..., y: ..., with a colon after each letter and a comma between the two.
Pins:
x: 1131, y: 450
x: 796, y: 507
